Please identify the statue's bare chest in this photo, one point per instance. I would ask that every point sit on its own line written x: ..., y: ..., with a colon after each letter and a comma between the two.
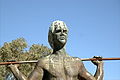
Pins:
x: 63, y: 66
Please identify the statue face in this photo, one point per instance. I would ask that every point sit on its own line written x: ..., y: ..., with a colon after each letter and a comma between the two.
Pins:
x: 60, y: 34
x: 57, y: 35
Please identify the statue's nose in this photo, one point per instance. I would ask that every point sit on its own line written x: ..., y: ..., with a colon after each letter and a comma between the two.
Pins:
x: 62, y: 33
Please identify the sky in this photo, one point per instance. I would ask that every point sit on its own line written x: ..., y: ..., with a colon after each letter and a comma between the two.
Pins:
x: 94, y: 27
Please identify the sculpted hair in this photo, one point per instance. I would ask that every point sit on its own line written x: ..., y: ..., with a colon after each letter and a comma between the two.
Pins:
x: 51, y: 31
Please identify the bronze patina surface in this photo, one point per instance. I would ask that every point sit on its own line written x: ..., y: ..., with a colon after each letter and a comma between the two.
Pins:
x: 59, y: 65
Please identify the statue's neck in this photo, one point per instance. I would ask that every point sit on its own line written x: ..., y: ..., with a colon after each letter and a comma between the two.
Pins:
x: 60, y: 52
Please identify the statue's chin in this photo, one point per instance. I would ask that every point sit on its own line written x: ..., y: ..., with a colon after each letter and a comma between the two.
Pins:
x: 62, y: 42
x: 59, y: 43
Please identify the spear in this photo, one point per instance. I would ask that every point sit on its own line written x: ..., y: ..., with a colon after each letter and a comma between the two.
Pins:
x: 35, y: 61
x: 18, y: 62
x: 89, y: 59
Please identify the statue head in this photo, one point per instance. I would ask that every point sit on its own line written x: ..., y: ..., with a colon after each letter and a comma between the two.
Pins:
x: 58, y: 33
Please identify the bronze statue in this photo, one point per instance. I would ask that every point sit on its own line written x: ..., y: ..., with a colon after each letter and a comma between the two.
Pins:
x: 59, y: 65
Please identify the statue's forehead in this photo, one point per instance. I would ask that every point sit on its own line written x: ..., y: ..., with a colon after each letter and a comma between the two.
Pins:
x: 60, y: 25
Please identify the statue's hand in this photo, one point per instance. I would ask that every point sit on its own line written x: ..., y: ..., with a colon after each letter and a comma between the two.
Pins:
x: 97, y: 62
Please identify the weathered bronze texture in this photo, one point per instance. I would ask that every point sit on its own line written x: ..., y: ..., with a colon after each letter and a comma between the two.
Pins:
x: 59, y: 65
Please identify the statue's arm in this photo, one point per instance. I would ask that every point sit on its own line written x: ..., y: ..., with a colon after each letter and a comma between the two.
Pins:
x: 83, y: 73
x: 99, y: 71
x: 17, y: 74
x: 36, y: 74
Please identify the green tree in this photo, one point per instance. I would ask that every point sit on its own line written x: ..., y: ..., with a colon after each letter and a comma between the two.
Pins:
x: 16, y: 50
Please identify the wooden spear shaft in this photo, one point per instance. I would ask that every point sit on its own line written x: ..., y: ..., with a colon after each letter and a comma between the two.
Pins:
x: 89, y: 59
x: 35, y: 61
x: 18, y: 62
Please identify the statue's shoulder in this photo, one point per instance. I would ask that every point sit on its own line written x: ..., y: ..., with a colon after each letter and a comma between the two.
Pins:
x: 77, y: 59
x: 45, y: 54
x: 73, y: 58
x: 43, y: 61
x: 44, y: 58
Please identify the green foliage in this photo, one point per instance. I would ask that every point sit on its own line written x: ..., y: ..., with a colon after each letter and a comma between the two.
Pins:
x: 15, y: 50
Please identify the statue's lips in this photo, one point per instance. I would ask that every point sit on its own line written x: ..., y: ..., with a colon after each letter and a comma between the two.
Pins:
x: 62, y: 37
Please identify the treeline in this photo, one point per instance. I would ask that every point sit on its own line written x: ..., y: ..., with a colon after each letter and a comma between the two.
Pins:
x: 18, y: 50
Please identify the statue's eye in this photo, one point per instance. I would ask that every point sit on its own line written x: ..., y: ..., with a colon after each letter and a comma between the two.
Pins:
x: 55, y: 25
x: 57, y: 31
x: 65, y: 31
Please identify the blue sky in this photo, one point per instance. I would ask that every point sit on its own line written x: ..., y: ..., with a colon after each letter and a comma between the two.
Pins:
x: 94, y: 27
